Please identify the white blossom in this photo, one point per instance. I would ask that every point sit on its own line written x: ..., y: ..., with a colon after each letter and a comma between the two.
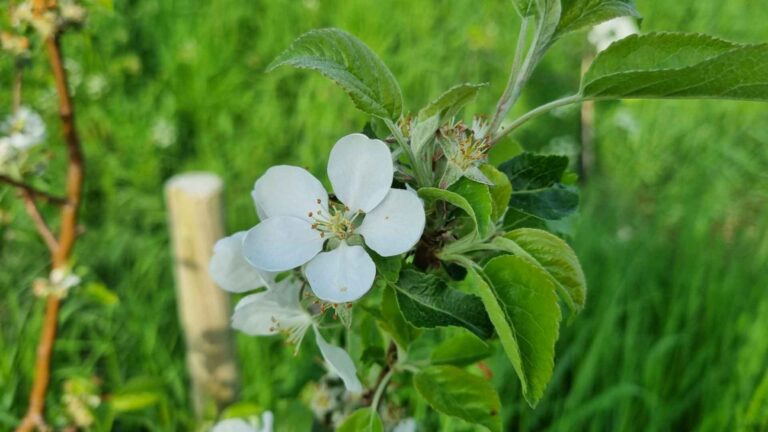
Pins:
x: 23, y: 129
x: 298, y: 222
x: 264, y: 424
x: 603, y: 35
x: 275, y: 310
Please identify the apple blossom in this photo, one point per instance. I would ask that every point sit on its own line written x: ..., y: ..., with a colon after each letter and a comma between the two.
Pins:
x: 300, y: 226
x: 23, y: 129
x: 275, y: 310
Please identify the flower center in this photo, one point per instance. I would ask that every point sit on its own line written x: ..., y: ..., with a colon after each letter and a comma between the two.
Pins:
x: 469, y: 152
x: 339, y: 222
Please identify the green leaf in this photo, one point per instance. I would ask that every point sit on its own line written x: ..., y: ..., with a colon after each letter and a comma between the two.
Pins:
x: 393, y: 321
x: 423, y: 132
x: 578, y: 14
x: 457, y: 393
x: 426, y: 301
x: 479, y: 198
x: 348, y: 62
x: 364, y: 419
x: 387, y: 267
x: 522, y: 304
x: 501, y: 191
x: 553, y: 255
x: 536, y: 187
x: 436, y: 194
x: 460, y: 350
x: 137, y: 394
x: 450, y: 102
x: 242, y: 409
x: 678, y: 65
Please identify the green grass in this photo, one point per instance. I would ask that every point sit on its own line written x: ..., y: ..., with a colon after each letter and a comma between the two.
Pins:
x: 672, y: 232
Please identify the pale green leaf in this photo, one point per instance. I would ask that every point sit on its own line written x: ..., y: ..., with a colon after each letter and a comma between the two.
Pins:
x: 578, y: 14
x: 678, y: 65
x: 450, y: 102
x: 348, y: 62
x: 362, y: 420
x: 522, y: 304
x: 553, y: 255
x: 436, y: 194
x: 501, y: 191
x: 461, y: 349
x: 457, y: 393
x: 479, y: 198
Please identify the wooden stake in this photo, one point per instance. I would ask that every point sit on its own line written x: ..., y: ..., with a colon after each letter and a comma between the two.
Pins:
x: 194, y: 204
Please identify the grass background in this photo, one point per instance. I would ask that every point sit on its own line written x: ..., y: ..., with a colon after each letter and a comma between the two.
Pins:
x: 672, y: 233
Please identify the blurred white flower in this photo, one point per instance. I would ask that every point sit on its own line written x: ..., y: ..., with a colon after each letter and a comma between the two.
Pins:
x: 96, y: 86
x: 405, y: 425
x: 163, y: 133
x: 23, y: 129
x: 297, y: 220
x: 263, y: 424
x: 58, y: 284
x: 603, y: 35
x: 275, y: 310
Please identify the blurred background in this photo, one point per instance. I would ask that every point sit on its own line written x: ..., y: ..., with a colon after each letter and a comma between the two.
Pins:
x: 672, y: 232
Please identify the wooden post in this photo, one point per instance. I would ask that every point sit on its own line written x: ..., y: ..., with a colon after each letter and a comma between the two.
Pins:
x: 194, y: 205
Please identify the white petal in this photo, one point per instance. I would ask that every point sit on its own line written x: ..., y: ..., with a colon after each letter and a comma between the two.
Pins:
x: 288, y: 191
x: 267, y: 422
x: 396, y: 225
x: 281, y: 243
x: 233, y: 425
x: 272, y: 311
x: 342, y: 275
x: 339, y: 363
x: 360, y: 170
x: 229, y: 269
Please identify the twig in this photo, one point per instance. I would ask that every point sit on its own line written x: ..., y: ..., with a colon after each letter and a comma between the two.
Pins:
x: 35, y: 193
x: 535, y: 113
x: 374, y: 394
x: 67, y: 234
x: 42, y: 228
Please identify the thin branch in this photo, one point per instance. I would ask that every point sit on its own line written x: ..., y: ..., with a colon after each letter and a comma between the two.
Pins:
x: 68, y: 230
x: 37, y: 218
x: 34, y: 192
x: 535, y: 113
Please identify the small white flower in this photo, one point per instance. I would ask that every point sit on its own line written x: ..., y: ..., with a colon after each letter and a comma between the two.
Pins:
x: 264, y: 424
x: 164, y: 133
x: 58, y: 284
x: 24, y: 129
x: 276, y: 310
x: 603, y: 35
x: 405, y: 425
x: 297, y: 219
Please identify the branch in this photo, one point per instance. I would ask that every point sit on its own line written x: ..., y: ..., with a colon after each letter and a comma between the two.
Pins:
x: 535, y: 113
x: 67, y: 235
x: 33, y: 192
x: 37, y: 218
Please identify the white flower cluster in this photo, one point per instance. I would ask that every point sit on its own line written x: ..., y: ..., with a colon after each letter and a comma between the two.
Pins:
x: 302, y: 227
x: 20, y: 132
